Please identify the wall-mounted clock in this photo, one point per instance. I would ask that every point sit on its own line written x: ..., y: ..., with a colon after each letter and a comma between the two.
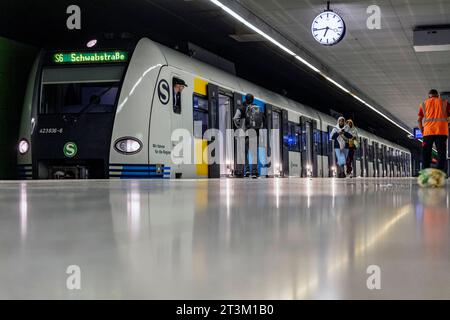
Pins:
x: 328, y: 28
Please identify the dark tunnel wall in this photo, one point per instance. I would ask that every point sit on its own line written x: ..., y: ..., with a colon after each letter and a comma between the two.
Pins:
x: 16, y: 60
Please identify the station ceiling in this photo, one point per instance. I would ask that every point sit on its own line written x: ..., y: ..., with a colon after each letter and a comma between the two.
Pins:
x: 380, y: 64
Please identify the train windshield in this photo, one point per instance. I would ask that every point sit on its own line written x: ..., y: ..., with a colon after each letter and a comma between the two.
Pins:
x: 80, y: 90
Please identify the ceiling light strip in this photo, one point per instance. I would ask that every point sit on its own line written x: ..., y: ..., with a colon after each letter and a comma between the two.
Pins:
x: 309, y: 65
x: 251, y: 26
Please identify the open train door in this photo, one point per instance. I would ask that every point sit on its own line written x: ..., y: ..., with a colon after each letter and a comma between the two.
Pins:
x: 221, y: 109
x: 309, y: 163
x: 213, y: 123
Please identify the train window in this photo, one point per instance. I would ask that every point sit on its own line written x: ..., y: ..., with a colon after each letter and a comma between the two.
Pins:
x: 330, y: 142
x: 292, y: 139
x: 178, y: 87
x: 80, y: 90
x: 201, y: 116
x: 79, y: 98
x: 318, y: 142
x: 325, y: 138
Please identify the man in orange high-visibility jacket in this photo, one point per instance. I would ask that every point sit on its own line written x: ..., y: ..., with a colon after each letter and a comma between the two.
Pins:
x: 433, y: 122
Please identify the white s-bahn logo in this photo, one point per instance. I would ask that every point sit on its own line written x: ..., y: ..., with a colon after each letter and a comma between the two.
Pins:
x: 164, y: 92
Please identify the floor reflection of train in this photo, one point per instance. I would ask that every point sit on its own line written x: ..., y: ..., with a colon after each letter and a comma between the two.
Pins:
x: 110, y: 114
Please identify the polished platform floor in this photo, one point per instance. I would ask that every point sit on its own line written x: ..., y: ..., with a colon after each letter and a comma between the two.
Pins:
x: 224, y: 239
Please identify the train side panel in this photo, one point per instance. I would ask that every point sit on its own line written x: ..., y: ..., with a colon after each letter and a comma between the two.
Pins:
x: 134, y: 111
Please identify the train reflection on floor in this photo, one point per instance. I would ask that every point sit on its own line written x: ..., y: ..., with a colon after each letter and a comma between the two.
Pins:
x: 224, y: 239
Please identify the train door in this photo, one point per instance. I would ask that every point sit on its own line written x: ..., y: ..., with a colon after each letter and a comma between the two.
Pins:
x: 388, y: 161
x: 358, y: 160
x: 270, y: 146
x: 284, y: 148
x: 409, y: 165
x: 364, y: 157
x: 400, y: 164
x: 391, y: 162
x: 394, y: 160
x: 276, y: 148
x: 388, y: 166
x: 331, y: 155
x: 380, y: 161
x: 309, y: 164
x: 213, y: 123
x: 219, y: 109
x: 377, y: 159
x: 370, y: 165
x: 227, y: 147
x: 179, y: 103
x: 395, y: 163
x: 403, y: 161
x: 317, y: 167
x: 292, y: 140
x: 325, y: 159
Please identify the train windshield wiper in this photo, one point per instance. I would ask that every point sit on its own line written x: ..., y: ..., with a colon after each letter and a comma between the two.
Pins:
x: 90, y: 104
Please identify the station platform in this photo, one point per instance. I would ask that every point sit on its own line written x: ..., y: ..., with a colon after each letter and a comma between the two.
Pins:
x: 224, y: 239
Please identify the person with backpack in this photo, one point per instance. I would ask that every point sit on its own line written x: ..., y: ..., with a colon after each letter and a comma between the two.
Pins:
x: 340, y: 136
x: 250, y: 118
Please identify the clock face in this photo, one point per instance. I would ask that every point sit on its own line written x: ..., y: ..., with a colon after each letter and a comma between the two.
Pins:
x: 328, y: 28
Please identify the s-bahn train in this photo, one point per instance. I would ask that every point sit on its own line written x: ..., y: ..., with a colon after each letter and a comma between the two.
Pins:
x: 96, y: 114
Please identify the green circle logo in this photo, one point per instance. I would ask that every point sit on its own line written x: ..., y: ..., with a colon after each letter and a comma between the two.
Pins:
x: 70, y: 149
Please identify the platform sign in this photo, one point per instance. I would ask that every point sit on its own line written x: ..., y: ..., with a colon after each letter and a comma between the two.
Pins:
x: 417, y: 133
x: 89, y: 57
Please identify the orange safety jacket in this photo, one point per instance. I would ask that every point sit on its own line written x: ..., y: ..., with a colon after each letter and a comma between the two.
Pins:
x: 435, y: 112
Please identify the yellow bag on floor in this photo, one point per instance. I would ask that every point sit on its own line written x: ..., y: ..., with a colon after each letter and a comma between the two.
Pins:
x: 432, y: 178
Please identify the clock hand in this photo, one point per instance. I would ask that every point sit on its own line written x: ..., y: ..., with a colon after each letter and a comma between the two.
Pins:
x: 320, y: 29
x: 326, y: 31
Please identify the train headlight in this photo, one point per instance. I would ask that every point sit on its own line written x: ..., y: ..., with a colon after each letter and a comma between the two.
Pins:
x: 128, y: 145
x: 24, y: 146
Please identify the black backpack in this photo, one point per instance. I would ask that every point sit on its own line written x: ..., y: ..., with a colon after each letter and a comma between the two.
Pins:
x: 254, y: 117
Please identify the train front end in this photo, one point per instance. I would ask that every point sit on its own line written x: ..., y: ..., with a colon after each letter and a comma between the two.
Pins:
x: 69, y: 113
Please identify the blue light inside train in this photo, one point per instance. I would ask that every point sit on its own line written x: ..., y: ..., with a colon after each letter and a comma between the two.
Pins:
x: 290, y: 140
